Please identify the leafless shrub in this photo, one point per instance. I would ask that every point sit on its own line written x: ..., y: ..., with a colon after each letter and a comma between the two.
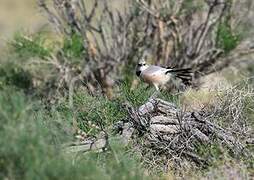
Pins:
x: 232, y: 106
x: 176, y: 34
x: 109, y: 39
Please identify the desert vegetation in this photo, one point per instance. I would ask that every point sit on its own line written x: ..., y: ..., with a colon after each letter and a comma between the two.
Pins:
x: 71, y: 105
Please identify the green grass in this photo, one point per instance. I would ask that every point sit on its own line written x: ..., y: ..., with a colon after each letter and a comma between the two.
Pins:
x: 139, y: 95
x: 210, y: 152
x: 92, y: 113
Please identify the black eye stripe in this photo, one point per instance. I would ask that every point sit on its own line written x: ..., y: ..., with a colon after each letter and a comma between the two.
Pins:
x: 141, y: 64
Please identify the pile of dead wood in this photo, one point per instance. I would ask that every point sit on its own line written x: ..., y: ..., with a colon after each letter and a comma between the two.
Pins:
x: 167, y: 130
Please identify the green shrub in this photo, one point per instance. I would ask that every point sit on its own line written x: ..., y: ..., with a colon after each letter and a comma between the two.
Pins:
x: 29, y: 149
x: 13, y: 75
x: 30, y: 46
x: 73, y: 46
x: 227, y: 38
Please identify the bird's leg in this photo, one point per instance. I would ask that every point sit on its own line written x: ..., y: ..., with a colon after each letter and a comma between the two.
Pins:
x: 156, y: 93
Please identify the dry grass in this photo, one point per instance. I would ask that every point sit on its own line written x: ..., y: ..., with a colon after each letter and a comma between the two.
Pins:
x: 196, y: 100
x: 226, y: 169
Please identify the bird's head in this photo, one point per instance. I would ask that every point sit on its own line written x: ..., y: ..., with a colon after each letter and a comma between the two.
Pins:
x: 142, y: 65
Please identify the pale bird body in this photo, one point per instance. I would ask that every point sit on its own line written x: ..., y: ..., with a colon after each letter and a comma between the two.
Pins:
x: 159, y: 76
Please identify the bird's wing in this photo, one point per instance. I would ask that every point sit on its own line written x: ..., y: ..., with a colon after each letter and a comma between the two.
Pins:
x: 155, y: 70
x: 155, y: 75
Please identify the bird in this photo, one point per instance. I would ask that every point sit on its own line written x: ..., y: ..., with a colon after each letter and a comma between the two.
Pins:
x: 158, y: 76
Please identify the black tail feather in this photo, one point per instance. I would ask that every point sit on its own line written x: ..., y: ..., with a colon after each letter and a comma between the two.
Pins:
x: 184, y: 74
x: 180, y: 70
x: 186, y: 81
x: 185, y: 78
